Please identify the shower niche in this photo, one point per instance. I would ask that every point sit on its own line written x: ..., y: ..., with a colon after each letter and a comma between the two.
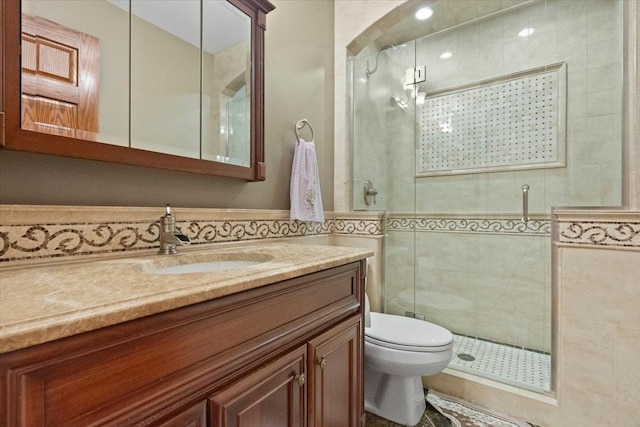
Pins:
x: 514, y: 95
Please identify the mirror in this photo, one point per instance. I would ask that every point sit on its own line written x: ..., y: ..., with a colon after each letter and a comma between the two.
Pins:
x: 226, y: 74
x: 175, y: 84
x: 165, y: 76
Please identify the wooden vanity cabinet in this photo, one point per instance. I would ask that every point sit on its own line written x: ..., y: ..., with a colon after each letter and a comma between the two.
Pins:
x: 285, y: 354
x: 275, y: 395
x: 327, y: 369
x: 194, y: 416
x: 335, y: 376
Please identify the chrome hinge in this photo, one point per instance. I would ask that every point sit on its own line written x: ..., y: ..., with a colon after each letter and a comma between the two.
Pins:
x: 415, y: 75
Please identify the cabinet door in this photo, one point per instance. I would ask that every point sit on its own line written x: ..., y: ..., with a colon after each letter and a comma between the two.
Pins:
x: 335, y: 383
x: 273, y: 396
x: 195, y: 416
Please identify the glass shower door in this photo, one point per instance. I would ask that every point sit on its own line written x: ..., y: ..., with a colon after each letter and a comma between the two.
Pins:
x: 481, y: 263
x: 383, y: 112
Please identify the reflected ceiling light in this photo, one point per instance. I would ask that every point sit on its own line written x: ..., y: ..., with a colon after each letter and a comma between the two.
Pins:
x: 446, y: 55
x: 362, y: 80
x: 526, y: 32
x: 424, y: 13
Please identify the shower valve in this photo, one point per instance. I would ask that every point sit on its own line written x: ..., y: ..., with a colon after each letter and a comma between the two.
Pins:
x: 369, y: 191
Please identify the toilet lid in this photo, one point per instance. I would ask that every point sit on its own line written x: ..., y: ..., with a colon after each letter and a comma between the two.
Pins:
x: 405, y: 332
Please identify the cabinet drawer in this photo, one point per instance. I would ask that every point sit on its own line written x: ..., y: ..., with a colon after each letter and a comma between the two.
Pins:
x: 147, y: 368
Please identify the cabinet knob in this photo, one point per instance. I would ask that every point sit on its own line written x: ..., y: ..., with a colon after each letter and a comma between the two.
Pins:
x: 301, y: 379
x: 322, y: 362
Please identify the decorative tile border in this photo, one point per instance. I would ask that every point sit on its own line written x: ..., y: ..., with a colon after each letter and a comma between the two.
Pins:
x: 27, y: 241
x: 609, y: 228
x: 36, y: 241
x: 358, y: 226
x: 581, y: 228
x: 65, y: 236
x: 470, y: 225
x: 600, y: 233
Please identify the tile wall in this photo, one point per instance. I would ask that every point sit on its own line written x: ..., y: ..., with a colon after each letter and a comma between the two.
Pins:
x: 584, y: 35
x: 484, y: 278
x: 603, y: 389
x: 351, y: 19
x: 481, y: 267
x: 598, y: 345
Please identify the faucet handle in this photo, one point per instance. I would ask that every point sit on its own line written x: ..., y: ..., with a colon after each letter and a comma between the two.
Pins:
x: 168, y: 221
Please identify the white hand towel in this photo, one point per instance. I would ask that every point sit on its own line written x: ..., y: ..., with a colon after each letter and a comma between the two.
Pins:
x: 306, y: 200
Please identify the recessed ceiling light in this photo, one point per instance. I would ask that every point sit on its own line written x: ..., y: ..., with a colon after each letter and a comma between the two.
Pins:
x: 446, y: 55
x: 526, y: 32
x: 424, y: 13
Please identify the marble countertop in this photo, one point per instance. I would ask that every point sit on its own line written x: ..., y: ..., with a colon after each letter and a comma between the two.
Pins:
x: 42, y: 303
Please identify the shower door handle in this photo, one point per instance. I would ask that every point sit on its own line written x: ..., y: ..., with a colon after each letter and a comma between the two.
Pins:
x: 525, y: 203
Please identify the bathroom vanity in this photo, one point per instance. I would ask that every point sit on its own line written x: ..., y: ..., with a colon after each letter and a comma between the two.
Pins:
x: 277, y: 343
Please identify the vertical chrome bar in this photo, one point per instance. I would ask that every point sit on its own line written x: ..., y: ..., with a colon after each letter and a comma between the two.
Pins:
x: 525, y: 203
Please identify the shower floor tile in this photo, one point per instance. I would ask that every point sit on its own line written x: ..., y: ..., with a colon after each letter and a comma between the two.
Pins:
x: 514, y: 366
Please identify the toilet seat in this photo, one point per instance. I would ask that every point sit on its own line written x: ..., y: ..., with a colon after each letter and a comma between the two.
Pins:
x: 405, y: 333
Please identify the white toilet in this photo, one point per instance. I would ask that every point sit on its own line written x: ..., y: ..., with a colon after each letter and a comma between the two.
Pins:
x: 398, y: 351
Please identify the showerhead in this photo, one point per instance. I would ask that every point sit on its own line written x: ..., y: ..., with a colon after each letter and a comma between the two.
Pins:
x: 368, y: 73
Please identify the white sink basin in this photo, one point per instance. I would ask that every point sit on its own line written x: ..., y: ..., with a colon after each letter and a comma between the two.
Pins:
x: 204, y: 267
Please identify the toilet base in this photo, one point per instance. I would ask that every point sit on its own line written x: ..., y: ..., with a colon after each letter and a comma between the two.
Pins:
x: 396, y: 398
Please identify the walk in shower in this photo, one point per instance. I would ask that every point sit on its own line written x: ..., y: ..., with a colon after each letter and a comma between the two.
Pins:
x: 471, y: 126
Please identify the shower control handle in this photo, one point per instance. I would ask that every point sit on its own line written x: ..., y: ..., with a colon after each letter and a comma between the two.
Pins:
x: 369, y: 191
x: 525, y: 203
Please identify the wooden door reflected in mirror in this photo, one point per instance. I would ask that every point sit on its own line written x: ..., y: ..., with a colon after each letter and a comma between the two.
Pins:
x: 86, y: 77
x: 60, y: 79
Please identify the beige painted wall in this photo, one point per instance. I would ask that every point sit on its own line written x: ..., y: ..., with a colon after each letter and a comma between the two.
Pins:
x: 299, y: 84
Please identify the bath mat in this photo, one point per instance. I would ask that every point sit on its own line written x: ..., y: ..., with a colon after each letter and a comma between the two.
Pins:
x: 464, y: 414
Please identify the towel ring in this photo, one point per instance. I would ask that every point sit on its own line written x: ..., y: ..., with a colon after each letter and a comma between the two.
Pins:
x: 300, y: 125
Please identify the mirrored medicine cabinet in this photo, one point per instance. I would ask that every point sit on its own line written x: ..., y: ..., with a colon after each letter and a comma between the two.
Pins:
x: 170, y: 84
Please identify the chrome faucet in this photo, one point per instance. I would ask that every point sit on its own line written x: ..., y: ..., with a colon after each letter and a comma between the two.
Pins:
x: 169, y: 237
